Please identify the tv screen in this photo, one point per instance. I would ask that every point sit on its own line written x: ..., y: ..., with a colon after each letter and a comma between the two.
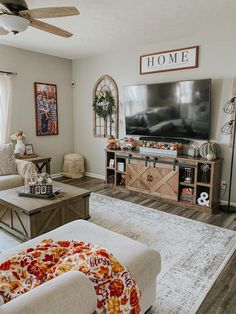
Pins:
x: 176, y: 109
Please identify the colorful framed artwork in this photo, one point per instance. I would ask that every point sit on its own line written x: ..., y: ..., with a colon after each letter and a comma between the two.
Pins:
x: 46, y: 113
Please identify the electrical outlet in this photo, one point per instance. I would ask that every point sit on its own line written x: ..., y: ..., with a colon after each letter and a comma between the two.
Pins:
x: 223, y: 186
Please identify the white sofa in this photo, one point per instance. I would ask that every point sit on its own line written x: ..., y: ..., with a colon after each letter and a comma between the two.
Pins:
x: 14, y: 180
x: 73, y: 293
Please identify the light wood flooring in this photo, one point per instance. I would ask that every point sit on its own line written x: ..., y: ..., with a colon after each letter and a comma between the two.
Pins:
x: 221, y: 299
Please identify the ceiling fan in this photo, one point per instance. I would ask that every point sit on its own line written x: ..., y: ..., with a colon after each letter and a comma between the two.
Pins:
x: 15, y: 17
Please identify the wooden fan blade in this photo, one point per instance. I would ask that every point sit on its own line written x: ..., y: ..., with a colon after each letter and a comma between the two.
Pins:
x: 4, y: 9
x: 43, y: 13
x: 50, y: 28
x: 3, y: 31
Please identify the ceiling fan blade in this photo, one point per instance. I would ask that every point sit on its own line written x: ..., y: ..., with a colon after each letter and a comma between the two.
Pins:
x: 50, y: 28
x: 42, y: 13
x: 4, y: 9
x: 3, y: 31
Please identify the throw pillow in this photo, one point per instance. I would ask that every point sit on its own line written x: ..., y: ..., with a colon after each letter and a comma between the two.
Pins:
x: 7, y: 160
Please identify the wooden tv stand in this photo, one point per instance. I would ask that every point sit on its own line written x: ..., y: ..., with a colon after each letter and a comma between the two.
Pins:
x: 181, y: 179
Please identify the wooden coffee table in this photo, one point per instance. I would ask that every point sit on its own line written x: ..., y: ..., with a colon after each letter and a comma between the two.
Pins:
x: 28, y: 218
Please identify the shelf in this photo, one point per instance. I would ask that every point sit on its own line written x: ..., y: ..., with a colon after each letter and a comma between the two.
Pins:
x: 111, y: 168
x: 187, y: 184
x: 122, y: 172
x: 186, y: 202
x: 204, y: 184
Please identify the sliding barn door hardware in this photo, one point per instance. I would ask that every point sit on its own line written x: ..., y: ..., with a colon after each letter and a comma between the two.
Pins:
x: 129, y: 157
x: 155, y: 160
x: 148, y: 159
x: 174, y: 164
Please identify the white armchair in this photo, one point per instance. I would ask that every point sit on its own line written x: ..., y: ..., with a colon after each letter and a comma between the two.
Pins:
x: 14, y: 180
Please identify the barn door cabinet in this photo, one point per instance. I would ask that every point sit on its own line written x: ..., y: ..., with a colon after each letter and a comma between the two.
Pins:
x: 191, y: 181
x: 157, y: 179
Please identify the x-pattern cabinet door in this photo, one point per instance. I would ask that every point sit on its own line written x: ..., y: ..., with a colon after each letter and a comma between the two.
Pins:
x: 164, y: 180
x: 137, y: 176
x: 161, y: 180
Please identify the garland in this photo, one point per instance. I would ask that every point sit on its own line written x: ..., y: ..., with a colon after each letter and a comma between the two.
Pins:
x: 103, y: 104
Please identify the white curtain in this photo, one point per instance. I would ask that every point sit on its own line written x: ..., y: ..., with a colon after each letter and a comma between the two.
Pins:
x: 6, y: 82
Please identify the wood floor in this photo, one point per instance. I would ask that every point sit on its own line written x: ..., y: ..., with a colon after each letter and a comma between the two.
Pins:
x: 221, y: 299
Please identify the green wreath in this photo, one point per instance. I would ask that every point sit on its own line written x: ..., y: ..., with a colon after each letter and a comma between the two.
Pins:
x: 100, y: 110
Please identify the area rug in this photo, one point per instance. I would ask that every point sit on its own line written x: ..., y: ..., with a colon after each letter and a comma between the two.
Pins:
x: 193, y: 253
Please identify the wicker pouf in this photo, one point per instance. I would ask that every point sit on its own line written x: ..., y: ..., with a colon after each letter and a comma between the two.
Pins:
x: 73, y: 166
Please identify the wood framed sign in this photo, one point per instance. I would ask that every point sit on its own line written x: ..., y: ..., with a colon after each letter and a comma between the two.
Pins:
x: 170, y: 60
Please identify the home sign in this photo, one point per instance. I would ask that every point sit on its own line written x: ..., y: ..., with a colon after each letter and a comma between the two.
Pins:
x: 171, y: 60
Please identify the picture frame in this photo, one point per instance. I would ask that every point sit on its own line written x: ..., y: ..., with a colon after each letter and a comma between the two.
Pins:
x: 46, y: 112
x: 29, y: 150
x: 121, y: 166
x: 169, y: 60
x: 111, y: 163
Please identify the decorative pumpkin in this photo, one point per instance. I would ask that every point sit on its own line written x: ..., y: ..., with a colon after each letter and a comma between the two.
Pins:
x: 193, y: 151
x: 208, y: 147
x: 211, y: 156
x: 113, y: 144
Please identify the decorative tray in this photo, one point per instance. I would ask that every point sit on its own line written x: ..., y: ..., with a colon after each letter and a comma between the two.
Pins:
x: 56, y: 191
x: 164, y: 152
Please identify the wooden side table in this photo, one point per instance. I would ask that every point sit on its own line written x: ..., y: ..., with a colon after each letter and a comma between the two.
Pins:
x: 40, y: 163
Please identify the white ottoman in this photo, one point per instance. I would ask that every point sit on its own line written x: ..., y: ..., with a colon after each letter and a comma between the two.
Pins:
x: 73, y: 166
x: 143, y: 262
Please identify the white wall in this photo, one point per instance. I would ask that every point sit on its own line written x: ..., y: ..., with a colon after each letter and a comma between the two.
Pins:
x: 216, y: 60
x: 35, y: 67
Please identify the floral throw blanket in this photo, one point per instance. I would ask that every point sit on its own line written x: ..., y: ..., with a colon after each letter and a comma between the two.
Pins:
x: 116, y: 290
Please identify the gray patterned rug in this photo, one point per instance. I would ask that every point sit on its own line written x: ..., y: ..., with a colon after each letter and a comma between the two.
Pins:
x: 193, y: 253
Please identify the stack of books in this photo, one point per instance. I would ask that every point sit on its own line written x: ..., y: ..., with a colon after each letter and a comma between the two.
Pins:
x: 186, y: 195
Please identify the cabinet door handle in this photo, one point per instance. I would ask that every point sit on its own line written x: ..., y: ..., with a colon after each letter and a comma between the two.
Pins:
x: 151, y: 178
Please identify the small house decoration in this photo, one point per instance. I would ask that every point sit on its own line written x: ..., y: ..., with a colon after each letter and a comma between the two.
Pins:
x: 41, y: 185
x: 31, y: 177
x: 105, y: 107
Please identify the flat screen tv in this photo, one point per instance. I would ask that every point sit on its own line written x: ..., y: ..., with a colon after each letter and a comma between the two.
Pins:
x: 178, y: 110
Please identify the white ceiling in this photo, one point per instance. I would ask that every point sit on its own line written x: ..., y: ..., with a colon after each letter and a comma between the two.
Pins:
x: 105, y: 26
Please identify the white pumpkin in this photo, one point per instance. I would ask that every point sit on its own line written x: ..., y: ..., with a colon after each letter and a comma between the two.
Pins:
x: 211, y: 156
x: 193, y: 151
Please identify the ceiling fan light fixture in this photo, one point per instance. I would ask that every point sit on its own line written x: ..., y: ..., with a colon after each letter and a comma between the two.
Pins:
x: 13, y: 23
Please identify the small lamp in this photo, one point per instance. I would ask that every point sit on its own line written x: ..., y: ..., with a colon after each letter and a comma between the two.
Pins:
x: 229, y: 129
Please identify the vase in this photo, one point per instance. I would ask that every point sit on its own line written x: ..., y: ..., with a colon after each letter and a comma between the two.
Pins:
x: 19, y: 148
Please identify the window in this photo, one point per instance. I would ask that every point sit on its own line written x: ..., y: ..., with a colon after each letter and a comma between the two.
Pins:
x: 6, y: 81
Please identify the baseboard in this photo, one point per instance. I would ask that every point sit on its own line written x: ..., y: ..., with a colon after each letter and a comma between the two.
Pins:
x: 226, y: 202
x: 95, y: 175
x: 88, y: 174
x: 56, y: 175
